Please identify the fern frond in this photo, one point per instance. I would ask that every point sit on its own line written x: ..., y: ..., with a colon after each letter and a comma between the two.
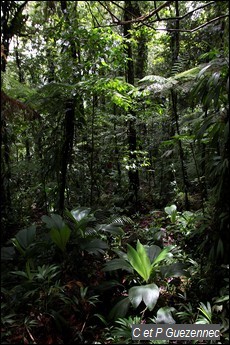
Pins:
x: 122, y: 220
x: 181, y: 64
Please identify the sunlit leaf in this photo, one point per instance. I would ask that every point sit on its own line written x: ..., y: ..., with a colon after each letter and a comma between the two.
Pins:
x: 81, y: 212
x: 149, y: 294
x: 164, y: 315
x: 114, y: 229
x: 140, y: 263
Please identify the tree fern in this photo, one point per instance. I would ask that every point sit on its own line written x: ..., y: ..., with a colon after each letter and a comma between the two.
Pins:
x: 161, y: 86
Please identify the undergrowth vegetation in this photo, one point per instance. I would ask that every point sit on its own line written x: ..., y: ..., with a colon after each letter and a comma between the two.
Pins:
x: 85, y: 278
x: 114, y: 178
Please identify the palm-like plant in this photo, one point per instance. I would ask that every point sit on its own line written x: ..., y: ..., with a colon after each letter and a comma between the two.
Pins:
x: 146, y: 261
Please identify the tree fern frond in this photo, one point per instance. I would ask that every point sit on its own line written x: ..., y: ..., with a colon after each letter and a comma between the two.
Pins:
x: 181, y: 64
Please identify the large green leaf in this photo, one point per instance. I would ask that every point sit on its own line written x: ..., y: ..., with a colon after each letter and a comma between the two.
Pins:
x: 113, y: 228
x: 164, y: 315
x: 120, y: 253
x: 60, y: 237
x: 149, y: 294
x: 54, y: 221
x: 82, y: 217
x: 153, y: 251
x: 120, y: 309
x: 118, y: 264
x: 26, y: 236
x: 177, y: 269
x: 162, y: 256
x: 81, y: 212
x: 139, y: 260
x: 144, y: 256
x: 93, y: 246
x: 172, y: 211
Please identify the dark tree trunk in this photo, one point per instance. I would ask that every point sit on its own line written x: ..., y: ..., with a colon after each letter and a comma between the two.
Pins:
x: 5, y: 171
x: 181, y: 151
x: 92, y: 153
x: 51, y: 73
x: 203, y: 164
x: 69, y: 129
x: 18, y: 62
x: 66, y: 151
x: 117, y: 152
x: 132, y: 135
x: 141, y: 57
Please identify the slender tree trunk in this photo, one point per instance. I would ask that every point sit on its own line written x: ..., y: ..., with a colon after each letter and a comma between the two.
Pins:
x: 51, y: 73
x: 132, y: 135
x: 175, y: 48
x: 18, y: 62
x: 69, y: 128
x: 5, y: 171
x: 181, y: 151
x: 203, y: 163
x: 73, y: 106
x: 116, y: 151
x: 43, y: 200
x: 92, y: 177
x: 66, y: 151
x: 198, y: 176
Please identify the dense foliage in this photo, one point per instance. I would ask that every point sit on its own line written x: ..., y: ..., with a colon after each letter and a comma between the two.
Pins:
x: 114, y: 168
